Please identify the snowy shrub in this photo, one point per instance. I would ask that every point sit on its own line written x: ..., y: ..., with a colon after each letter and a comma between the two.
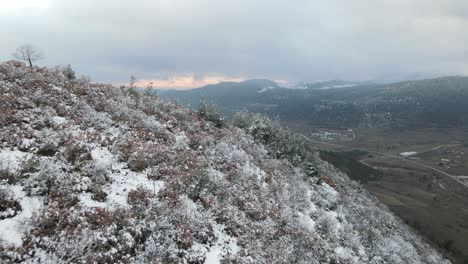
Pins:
x: 99, y: 217
x: 138, y: 197
x: 9, y: 207
x: 98, y: 195
x: 327, y: 180
x: 62, y: 199
x: 139, y: 161
x: 194, y: 144
x: 47, y: 149
x: 310, y: 169
x: 184, y: 237
x: 7, y: 176
x: 161, y: 172
x: 50, y: 176
x: 53, y: 220
x: 281, y: 143
x: 41, y: 184
x: 76, y: 150
x: 98, y: 119
x: 149, y: 105
x: 199, y: 184
x: 208, y: 113
x: 68, y: 72
x: 141, y: 156
x: 28, y: 166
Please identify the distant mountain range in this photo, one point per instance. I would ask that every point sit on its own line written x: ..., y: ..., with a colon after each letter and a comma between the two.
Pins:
x: 428, y: 103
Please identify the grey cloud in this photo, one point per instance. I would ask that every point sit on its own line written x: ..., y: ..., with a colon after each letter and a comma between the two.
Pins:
x: 293, y: 40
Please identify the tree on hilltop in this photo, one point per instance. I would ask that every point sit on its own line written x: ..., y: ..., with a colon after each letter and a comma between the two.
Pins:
x: 28, y: 53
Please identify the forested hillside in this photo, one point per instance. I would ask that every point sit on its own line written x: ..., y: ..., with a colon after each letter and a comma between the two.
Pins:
x: 438, y: 102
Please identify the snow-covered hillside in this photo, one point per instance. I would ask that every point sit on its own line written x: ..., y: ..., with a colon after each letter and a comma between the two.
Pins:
x: 92, y: 173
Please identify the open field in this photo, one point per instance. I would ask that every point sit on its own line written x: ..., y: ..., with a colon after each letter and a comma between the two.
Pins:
x: 433, y: 203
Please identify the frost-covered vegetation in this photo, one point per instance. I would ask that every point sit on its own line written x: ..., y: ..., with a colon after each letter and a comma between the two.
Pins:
x: 91, y: 173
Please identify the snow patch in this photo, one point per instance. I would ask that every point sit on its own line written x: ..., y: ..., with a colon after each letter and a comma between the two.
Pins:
x: 408, y: 154
x: 225, y: 245
x: 264, y: 89
x: 181, y: 141
x: 13, y: 229
x: 55, y: 87
x: 336, y: 86
x: 10, y: 160
x: 346, y: 254
x: 102, y: 158
x: 123, y: 181
x: 252, y: 169
x: 306, y: 222
x: 58, y: 120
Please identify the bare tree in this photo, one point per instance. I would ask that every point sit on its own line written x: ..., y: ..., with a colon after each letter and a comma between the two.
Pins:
x: 27, y: 53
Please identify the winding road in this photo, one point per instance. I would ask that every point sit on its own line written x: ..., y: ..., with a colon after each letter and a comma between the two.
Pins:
x: 454, y: 177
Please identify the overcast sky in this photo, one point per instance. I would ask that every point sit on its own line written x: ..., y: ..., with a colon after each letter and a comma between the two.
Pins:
x: 188, y: 43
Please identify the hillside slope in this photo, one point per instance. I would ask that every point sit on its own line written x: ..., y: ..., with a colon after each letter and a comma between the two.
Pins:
x: 98, y: 174
x: 229, y: 97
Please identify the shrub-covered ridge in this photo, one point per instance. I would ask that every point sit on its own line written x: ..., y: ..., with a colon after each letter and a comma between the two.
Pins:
x: 91, y: 173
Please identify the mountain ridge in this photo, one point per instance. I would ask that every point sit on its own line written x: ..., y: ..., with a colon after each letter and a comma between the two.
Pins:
x: 429, y: 102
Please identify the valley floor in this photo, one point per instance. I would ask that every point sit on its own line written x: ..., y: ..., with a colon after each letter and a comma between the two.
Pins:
x: 428, y: 190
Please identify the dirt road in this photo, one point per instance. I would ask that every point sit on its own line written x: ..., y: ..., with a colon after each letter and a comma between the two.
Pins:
x: 454, y: 177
